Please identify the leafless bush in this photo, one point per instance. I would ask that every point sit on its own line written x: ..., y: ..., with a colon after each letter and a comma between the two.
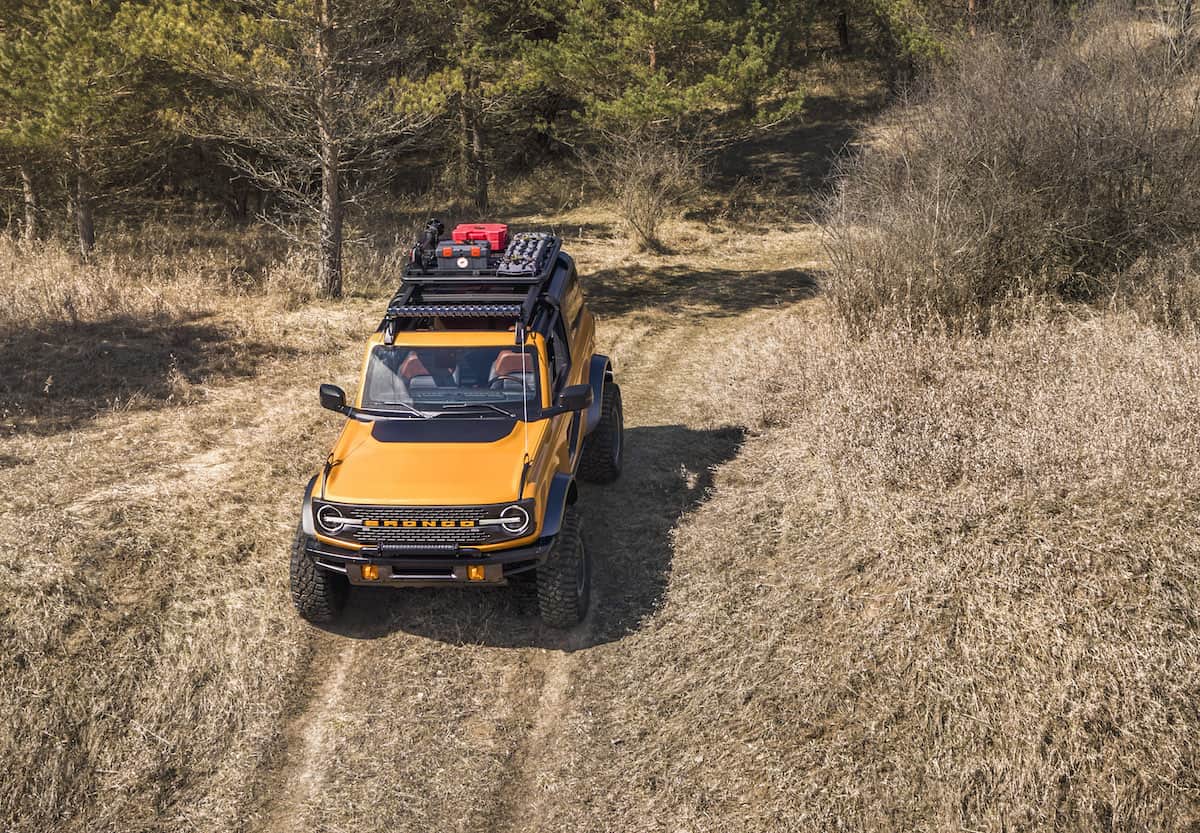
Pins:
x: 1034, y: 167
x: 649, y: 176
x: 1166, y: 288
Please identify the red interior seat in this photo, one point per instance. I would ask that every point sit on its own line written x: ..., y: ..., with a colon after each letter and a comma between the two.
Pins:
x: 413, y: 367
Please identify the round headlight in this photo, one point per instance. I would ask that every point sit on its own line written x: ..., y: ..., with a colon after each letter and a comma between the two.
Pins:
x: 330, y: 520
x: 515, y: 519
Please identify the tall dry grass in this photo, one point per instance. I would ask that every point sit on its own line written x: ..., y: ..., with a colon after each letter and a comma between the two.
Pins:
x: 1041, y: 164
x: 152, y: 653
x: 954, y: 584
x: 155, y: 316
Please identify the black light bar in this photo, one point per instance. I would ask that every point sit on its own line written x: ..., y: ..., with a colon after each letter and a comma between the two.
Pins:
x: 456, y: 311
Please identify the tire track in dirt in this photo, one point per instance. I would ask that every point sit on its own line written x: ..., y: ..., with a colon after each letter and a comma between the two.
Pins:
x: 296, y: 782
x: 652, y: 379
x: 519, y: 799
x: 659, y: 365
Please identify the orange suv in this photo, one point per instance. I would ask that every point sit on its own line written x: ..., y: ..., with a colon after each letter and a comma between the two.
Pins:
x: 481, y: 400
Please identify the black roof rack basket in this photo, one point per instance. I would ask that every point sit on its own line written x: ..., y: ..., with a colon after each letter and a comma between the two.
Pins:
x: 503, y: 291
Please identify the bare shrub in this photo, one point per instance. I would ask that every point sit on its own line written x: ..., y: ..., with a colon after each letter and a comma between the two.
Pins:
x: 649, y: 176
x: 1031, y: 167
x: 1166, y: 288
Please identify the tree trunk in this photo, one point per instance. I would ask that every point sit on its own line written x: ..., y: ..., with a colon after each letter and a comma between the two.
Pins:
x: 30, y: 231
x: 843, y: 32
x: 329, y: 271
x: 479, y: 162
x: 85, y: 222
x: 473, y: 165
x: 653, y: 49
x: 971, y: 17
x: 240, y: 202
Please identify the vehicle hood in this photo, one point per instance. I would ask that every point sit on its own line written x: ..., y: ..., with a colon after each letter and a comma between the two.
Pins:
x: 437, y: 462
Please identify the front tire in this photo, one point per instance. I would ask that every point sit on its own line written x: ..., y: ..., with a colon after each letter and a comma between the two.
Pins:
x: 564, y: 582
x: 604, y: 448
x: 319, y: 595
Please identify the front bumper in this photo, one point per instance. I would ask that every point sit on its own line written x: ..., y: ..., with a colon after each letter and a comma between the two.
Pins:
x: 425, y: 566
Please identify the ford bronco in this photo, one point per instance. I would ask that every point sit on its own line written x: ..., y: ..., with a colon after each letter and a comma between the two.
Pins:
x: 481, y: 401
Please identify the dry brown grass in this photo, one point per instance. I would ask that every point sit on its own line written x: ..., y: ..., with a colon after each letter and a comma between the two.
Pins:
x: 151, y: 650
x: 173, y: 312
x: 952, y: 586
x: 844, y: 584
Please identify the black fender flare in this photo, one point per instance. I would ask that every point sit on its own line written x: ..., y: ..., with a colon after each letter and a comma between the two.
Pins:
x: 306, y: 515
x: 562, y: 493
x: 599, y: 372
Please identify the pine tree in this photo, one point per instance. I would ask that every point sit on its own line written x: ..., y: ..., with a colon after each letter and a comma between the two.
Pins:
x: 299, y: 92
x: 19, y: 32
x: 664, y: 64
x: 73, y: 96
x: 478, y: 52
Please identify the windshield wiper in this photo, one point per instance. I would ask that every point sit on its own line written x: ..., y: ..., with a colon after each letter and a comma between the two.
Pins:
x: 387, y: 413
x: 462, y: 406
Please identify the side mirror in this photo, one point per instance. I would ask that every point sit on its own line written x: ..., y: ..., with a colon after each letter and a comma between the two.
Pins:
x: 333, y: 398
x: 574, y: 398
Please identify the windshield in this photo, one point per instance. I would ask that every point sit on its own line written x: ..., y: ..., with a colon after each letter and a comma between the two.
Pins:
x: 432, y: 378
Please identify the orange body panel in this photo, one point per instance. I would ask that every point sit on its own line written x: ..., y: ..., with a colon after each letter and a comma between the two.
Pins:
x: 363, y: 470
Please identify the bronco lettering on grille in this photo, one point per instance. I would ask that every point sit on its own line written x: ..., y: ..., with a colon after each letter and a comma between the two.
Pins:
x: 374, y: 524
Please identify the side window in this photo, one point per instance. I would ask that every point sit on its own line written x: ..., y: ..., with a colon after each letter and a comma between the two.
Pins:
x: 573, y: 300
x: 560, y: 353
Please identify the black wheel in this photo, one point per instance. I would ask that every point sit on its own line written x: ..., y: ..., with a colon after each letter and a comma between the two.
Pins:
x: 319, y: 595
x: 564, y: 582
x: 603, y: 449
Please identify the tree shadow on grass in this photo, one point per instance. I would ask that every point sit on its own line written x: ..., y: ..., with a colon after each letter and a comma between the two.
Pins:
x: 54, y: 379
x: 676, y: 289
x: 799, y: 156
x: 627, y: 528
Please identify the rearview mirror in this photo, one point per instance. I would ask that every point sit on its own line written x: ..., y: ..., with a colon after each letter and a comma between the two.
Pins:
x: 574, y: 398
x: 333, y: 398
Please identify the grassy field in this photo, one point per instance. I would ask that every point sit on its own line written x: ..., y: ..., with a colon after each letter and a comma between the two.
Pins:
x: 844, y: 583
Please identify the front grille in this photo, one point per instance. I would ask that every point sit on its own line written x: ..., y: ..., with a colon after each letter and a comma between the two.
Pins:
x: 465, y: 536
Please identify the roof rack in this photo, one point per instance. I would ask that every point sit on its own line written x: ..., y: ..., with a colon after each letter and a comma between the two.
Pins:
x: 509, y: 287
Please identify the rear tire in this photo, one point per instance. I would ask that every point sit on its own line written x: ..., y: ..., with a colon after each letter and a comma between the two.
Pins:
x: 604, y: 448
x: 319, y: 595
x: 564, y: 582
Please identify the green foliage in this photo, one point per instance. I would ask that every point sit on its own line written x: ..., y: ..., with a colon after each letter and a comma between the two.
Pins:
x: 911, y: 27
x: 132, y: 85
x: 68, y: 79
x: 661, y: 63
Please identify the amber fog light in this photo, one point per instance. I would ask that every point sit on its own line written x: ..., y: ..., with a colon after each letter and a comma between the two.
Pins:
x: 474, y: 572
x: 370, y: 572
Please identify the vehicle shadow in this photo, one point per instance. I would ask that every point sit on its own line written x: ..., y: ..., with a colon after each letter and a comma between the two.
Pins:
x: 58, y: 378
x: 627, y: 527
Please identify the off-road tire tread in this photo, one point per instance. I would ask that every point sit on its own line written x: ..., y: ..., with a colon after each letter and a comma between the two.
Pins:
x: 319, y: 595
x: 596, y: 464
x: 558, y: 604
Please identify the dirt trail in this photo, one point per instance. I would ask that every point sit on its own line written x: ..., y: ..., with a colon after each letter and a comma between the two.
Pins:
x: 426, y: 709
x: 501, y: 749
x: 297, y: 781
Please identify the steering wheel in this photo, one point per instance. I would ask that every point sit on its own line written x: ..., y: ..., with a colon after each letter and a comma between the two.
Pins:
x: 505, y: 377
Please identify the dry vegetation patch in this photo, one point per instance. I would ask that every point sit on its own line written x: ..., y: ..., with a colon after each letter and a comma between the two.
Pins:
x: 1041, y: 164
x: 152, y: 652
x: 953, y: 586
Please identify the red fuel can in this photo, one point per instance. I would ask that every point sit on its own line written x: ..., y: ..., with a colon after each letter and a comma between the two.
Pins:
x: 495, y: 234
